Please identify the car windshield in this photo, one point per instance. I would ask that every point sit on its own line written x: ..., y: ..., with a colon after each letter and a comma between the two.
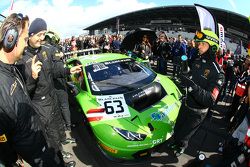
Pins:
x: 118, y: 76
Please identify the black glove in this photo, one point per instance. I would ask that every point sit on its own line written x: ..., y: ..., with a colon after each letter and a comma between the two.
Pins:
x: 185, y: 81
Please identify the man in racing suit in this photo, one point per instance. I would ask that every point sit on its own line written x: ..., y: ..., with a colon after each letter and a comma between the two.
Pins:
x: 203, y: 84
x: 39, y: 71
x: 21, y: 130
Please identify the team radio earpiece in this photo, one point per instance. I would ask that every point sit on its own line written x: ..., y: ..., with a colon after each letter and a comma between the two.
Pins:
x: 10, y: 38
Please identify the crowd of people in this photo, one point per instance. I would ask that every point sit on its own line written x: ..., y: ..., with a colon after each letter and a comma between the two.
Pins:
x: 34, y: 111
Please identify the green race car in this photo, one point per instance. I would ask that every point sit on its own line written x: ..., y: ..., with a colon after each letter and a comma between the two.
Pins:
x: 130, y: 108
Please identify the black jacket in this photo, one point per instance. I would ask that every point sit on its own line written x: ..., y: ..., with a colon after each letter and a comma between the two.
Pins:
x: 208, y: 78
x: 50, y: 70
x: 20, y: 126
x: 59, y: 83
x: 163, y: 50
x: 43, y: 86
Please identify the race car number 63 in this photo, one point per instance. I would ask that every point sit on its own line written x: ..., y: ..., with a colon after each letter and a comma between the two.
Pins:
x: 110, y: 109
x: 115, y: 106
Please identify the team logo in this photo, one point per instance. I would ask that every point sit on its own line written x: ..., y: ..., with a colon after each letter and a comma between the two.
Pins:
x: 59, y: 54
x: 45, y: 56
x: 206, y: 72
x: 3, y: 138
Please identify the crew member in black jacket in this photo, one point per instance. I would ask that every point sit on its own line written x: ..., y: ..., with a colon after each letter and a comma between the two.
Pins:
x: 21, y: 131
x: 52, y: 40
x: 203, y: 84
x: 39, y: 71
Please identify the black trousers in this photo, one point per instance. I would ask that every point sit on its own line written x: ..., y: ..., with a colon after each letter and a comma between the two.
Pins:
x: 52, y: 121
x: 64, y: 105
x: 187, y: 123
x: 162, y: 65
x: 234, y: 107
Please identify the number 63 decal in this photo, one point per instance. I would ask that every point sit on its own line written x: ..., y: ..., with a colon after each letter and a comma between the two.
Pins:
x: 115, y: 106
x: 112, y: 107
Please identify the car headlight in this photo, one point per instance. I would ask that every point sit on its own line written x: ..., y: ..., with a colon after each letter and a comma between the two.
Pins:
x: 131, y: 136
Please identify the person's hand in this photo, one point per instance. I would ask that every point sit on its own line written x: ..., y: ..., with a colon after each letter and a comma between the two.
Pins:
x: 76, y: 69
x: 186, y: 81
x: 35, y: 67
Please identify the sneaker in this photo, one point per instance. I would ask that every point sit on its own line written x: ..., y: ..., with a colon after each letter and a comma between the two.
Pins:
x: 70, y: 164
x: 68, y: 141
x: 179, y: 151
x: 66, y: 155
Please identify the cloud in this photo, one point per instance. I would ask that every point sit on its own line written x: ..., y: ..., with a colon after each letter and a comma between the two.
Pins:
x: 69, y: 19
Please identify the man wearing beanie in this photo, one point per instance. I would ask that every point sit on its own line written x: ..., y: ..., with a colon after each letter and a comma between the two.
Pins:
x: 36, y: 26
x: 39, y: 71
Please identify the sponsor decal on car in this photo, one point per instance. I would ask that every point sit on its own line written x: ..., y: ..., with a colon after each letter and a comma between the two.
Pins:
x: 99, y: 67
x: 157, y: 141
x: 157, y: 116
x: 139, y: 145
x: 114, y: 107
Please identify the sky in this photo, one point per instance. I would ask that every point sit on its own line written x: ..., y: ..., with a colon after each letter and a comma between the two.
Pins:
x: 69, y: 17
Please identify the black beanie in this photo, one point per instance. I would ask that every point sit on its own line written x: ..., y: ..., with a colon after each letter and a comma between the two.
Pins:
x: 37, y: 25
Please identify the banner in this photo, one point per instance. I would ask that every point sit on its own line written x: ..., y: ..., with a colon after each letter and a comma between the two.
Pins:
x: 221, y: 35
x: 11, y: 5
x: 207, y: 20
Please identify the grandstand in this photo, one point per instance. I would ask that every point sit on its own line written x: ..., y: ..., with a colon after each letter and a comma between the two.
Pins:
x: 177, y: 20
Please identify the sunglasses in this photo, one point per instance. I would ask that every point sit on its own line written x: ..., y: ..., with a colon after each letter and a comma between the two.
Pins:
x: 201, y: 36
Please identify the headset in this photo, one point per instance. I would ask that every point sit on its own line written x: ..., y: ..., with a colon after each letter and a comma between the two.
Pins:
x: 10, y: 38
